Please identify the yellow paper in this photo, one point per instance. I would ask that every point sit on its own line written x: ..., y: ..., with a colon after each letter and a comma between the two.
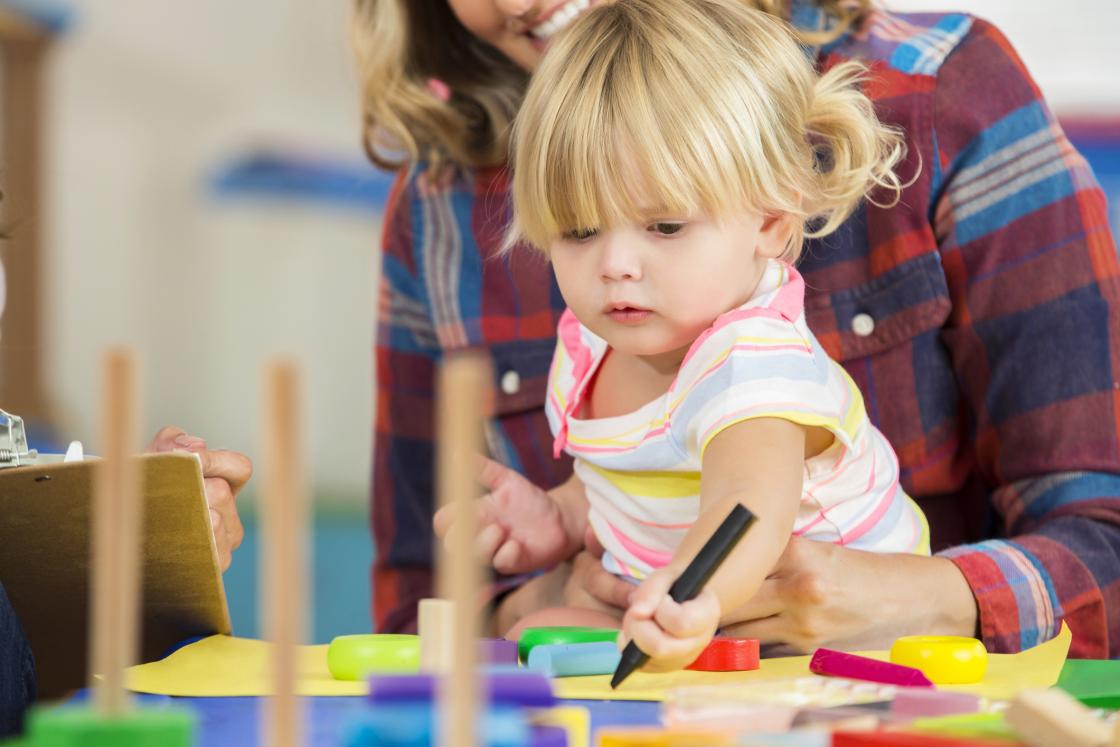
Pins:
x: 1007, y: 674
x: 223, y: 666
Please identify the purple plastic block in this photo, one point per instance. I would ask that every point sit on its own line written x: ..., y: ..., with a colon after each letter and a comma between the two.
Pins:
x: 522, y: 689
x: 497, y: 651
x: 840, y: 664
x: 911, y: 704
x: 547, y: 736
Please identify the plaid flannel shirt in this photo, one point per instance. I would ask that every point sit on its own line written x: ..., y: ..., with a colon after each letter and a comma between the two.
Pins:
x: 987, y: 345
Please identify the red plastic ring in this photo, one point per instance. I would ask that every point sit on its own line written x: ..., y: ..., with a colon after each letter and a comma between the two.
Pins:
x: 727, y: 655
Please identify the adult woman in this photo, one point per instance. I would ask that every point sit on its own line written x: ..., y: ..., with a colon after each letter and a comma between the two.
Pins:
x: 980, y: 317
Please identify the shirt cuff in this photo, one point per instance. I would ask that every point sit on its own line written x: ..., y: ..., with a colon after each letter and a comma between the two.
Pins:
x: 1014, y: 594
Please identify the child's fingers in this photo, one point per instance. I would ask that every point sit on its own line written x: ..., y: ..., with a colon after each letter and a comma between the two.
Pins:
x: 490, y: 473
x: 446, y: 518
x: 697, y: 617
x: 487, y: 542
x: 510, y: 557
x: 649, y: 594
x: 666, y: 651
x: 443, y: 520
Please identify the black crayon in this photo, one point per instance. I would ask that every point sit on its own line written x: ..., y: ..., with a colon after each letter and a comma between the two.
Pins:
x: 692, y: 580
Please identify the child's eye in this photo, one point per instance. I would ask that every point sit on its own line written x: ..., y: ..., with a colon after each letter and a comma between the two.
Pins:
x: 666, y: 228
x: 579, y: 234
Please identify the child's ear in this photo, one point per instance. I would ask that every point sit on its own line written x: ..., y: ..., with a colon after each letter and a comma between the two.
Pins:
x: 775, y: 234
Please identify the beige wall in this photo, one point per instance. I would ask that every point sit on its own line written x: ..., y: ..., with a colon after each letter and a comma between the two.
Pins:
x: 147, y: 99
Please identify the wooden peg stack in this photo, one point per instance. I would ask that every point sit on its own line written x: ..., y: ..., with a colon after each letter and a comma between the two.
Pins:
x: 284, y: 524
x: 463, y: 382
x: 115, y: 594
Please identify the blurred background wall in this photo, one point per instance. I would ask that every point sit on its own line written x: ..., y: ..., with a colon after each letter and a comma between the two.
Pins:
x: 205, y: 199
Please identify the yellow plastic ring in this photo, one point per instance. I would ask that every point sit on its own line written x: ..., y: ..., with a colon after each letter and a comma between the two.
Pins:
x: 944, y: 659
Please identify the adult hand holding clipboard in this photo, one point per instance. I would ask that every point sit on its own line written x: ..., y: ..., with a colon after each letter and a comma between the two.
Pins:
x: 45, y: 546
x: 224, y: 473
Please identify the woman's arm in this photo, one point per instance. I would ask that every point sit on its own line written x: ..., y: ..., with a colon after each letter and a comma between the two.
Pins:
x: 1035, y: 342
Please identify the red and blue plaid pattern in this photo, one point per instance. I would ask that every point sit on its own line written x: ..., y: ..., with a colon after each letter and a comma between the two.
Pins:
x: 992, y: 365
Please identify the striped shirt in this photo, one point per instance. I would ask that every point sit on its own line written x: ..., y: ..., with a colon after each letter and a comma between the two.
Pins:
x: 992, y: 364
x: 641, y: 470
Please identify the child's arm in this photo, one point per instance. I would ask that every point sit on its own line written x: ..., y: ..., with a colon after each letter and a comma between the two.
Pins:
x: 759, y: 463
x: 521, y: 527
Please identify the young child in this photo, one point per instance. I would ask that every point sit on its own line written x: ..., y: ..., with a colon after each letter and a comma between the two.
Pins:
x: 669, y: 158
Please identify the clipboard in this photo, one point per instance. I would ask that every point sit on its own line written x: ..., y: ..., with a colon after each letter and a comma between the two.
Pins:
x: 45, y: 558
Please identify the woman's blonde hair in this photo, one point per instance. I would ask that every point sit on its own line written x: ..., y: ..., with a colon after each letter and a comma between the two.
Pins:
x: 692, y: 106
x: 403, y: 45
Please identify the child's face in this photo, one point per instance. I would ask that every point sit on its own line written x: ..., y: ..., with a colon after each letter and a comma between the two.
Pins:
x: 519, y: 29
x: 650, y: 290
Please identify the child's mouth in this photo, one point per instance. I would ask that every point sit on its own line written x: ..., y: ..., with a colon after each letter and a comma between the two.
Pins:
x: 628, y: 314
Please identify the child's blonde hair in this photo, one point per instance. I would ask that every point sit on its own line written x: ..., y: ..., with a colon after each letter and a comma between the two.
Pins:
x: 402, y: 45
x: 689, y: 106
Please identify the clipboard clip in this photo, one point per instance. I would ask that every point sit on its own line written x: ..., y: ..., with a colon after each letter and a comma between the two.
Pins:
x: 13, y: 446
x: 13, y: 442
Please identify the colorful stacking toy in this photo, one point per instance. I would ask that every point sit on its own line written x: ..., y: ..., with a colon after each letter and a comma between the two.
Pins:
x: 113, y: 720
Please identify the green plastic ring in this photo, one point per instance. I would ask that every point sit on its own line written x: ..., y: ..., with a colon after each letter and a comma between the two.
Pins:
x: 533, y: 637
x: 355, y: 657
x: 70, y: 726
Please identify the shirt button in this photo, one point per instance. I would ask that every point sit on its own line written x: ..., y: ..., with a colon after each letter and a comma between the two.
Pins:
x: 511, y: 382
x: 863, y: 325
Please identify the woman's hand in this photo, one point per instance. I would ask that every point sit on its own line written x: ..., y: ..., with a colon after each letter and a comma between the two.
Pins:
x: 519, y: 528
x: 821, y: 594
x: 224, y: 473
x: 672, y: 634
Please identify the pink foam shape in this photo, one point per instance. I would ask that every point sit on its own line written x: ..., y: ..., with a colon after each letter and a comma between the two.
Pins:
x: 840, y: 664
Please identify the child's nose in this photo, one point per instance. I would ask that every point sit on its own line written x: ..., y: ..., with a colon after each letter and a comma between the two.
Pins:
x: 620, y: 261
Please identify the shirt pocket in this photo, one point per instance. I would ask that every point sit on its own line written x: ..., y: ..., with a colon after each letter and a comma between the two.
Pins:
x: 883, y: 312
x: 520, y: 374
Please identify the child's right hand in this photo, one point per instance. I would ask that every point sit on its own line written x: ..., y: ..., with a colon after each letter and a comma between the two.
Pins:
x: 520, y: 527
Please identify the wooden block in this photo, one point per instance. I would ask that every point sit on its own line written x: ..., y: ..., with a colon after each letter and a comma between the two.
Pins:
x: 1053, y: 718
x: 436, y: 625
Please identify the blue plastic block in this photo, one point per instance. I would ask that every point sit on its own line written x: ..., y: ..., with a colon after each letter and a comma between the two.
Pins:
x: 414, y: 725
x: 508, y: 688
x: 574, y: 659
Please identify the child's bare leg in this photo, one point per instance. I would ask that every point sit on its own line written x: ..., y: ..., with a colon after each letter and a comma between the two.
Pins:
x: 553, y: 598
x: 545, y: 590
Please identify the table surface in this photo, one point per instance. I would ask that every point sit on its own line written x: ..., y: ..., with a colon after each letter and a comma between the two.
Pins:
x: 236, y: 721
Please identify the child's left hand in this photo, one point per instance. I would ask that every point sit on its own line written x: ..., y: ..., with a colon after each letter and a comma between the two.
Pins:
x: 672, y: 634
